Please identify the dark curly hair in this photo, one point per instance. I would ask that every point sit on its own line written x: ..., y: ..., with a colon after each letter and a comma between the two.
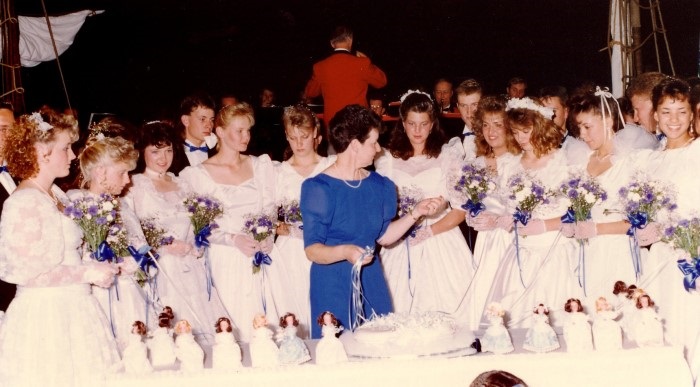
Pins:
x: 545, y: 136
x: 353, y: 122
x: 588, y: 102
x: 399, y: 145
x: 160, y: 134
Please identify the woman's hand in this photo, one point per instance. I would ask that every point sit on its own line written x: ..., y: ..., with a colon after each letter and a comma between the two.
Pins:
x: 649, y: 234
x: 100, y: 273
x: 267, y: 244
x: 355, y: 253
x: 430, y: 207
x: 282, y: 229
x: 422, y: 234
x: 585, y: 230
x: 128, y: 266
x: 487, y: 221
x: 533, y: 227
x: 245, y: 244
x: 179, y: 248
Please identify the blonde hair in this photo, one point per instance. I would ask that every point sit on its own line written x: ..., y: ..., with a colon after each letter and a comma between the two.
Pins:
x: 183, y: 326
x: 19, y: 151
x: 228, y: 113
x: 101, y: 151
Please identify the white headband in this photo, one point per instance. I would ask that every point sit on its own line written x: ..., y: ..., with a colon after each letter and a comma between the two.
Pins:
x: 529, y: 104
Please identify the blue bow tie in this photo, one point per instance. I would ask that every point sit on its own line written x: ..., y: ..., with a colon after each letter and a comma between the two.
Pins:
x: 467, y: 134
x: 660, y: 136
x: 192, y: 148
x: 4, y: 169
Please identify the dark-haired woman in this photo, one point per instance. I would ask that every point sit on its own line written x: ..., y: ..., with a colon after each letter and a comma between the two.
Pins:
x: 157, y: 197
x: 431, y: 268
x: 347, y: 211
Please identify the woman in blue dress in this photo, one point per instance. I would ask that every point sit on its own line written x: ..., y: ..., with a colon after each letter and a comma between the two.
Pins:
x: 348, y: 210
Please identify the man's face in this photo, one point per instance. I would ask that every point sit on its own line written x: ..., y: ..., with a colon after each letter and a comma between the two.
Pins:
x: 467, y: 105
x: 644, y: 112
x: 443, y: 93
x: 377, y: 106
x: 516, y: 90
x: 7, y: 118
x: 560, y: 111
x: 198, y: 124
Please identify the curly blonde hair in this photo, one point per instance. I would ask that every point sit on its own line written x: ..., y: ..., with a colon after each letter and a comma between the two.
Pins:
x: 101, y: 151
x: 19, y: 151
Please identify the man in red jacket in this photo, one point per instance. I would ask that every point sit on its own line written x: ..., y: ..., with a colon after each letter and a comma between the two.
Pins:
x: 342, y: 78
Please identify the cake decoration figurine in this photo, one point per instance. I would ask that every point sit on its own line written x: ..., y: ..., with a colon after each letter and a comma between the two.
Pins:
x: 292, y: 348
x: 189, y: 353
x: 607, y: 334
x: 135, y: 355
x: 226, y: 354
x: 496, y: 338
x: 541, y: 337
x: 577, y: 330
x: 648, y: 329
x: 329, y: 349
x: 161, y: 345
x: 263, y: 351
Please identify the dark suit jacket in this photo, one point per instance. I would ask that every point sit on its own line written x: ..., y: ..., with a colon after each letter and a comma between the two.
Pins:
x: 7, y: 291
x: 180, y: 160
x: 342, y: 79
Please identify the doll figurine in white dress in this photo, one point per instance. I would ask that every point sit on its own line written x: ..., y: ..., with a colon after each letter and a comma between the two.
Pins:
x: 607, y: 334
x: 577, y: 330
x: 135, y: 355
x: 161, y: 345
x: 189, y: 353
x: 329, y: 349
x: 226, y: 354
x: 648, y: 329
x: 263, y: 350
x: 541, y: 337
x: 292, y: 348
x: 496, y: 338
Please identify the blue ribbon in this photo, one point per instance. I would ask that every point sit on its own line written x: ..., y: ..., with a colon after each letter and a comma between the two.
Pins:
x: 4, y: 169
x: 569, y: 216
x: 193, y: 148
x: 200, y: 238
x: 142, y: 258
x: 582, y: 267
x: 104, y: 253
x: 637, y: 220
x: 473, y: 208
x: 691, y: 272
x: 635, y: 252
x: 521, y: 216
x: 517, y: 247
x: 261, y: 258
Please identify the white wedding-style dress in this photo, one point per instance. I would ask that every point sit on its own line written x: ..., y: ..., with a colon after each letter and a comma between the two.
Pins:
x: 433, y: 275
x: 54, y: 332
x: 243, y: 293
x: 183, y: 283
x: 290, y: 284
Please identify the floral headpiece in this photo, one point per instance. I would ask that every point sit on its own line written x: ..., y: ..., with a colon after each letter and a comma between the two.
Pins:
x: 529, y: 104
x: 409, y: 92
x: 39, y: 121
x: 97, y: 130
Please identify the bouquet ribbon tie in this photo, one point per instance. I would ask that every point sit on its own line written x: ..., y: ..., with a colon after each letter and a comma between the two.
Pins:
x: 261, y: 258
x: 522, y: 216
x: 474, y: 208
x: 637, y: 220
x: 569, y: 216
x: 200, y: 238
x: 691, y: 272
x: 104, y: 253
x: 142, y: 258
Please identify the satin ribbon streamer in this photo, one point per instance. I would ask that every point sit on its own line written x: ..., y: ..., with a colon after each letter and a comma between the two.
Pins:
x: 473, y: 208
x: 357, y: 312
x: 691, y: 272
x: 638, y: 220
x: 522, y: 217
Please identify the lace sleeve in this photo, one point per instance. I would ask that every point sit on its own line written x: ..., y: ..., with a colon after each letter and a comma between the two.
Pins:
x: 32, y: 244
x: 383, y: 164
x: 132, y: 224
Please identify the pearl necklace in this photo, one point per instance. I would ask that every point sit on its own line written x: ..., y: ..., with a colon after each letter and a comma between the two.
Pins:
x: 345, y: 181
x: 153, y: 174
x: 45, y: 192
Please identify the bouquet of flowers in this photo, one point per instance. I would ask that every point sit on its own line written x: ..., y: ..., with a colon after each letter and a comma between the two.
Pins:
x: 203, y: 211
x: 260, y: 227
x: 527, y: 193
x: 474, y: 183
x: 290, y: 211
x: 583, y: 193
x: 685, y: 235
x: 409, y: 196
x: 95, y: 216
x: 642, y: 201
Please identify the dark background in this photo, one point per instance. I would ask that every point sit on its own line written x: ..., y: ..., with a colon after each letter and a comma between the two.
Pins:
x: 139, y: 58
